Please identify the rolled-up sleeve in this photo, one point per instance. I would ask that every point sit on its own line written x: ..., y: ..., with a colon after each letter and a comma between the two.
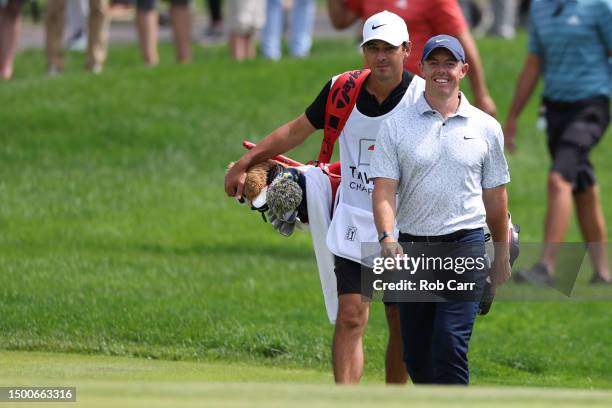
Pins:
x: 533, y: 45
x: 495, y: 168
x: 605, y: 23
x: 385, y: 161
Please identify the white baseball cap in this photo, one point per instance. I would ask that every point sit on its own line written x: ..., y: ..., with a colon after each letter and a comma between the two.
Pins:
x: 387, y: 27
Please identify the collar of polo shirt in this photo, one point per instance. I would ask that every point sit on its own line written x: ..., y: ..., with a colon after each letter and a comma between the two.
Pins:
x: 465, y: 108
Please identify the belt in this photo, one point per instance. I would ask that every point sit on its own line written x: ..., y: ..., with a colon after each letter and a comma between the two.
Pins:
x: 452, y: 237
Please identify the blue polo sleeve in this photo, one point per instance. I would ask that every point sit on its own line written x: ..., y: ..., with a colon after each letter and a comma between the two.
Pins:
x: 495, y: 168
x: 385, y: 161
x: 604, y: 20
x: 534, y: 43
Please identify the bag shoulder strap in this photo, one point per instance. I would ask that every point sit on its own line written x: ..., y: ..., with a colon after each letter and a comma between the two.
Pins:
x: 340, y: 102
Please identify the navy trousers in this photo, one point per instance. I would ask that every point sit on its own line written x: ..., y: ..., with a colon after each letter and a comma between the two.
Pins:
x: 436, y: 335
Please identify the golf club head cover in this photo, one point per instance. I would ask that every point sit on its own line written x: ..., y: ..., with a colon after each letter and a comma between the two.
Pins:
x: 286, y: 194
x: 282, y: 227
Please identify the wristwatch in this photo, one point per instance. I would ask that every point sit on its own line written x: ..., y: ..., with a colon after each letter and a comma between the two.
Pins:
x: 384, y: 235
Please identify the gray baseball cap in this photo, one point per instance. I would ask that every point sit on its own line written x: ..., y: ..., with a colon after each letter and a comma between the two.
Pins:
x: 444, y: 41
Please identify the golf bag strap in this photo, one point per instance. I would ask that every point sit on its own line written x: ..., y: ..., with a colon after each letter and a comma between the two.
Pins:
x: 340, y: 102
x: 332, y: 171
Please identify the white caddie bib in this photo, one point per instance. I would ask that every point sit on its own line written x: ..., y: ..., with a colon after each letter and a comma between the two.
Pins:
x: 353, y: 221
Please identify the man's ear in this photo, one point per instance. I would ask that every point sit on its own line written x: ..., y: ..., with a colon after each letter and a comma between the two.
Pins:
x: 465, y: 69
x: 407, y: 49
x: 365, y: 61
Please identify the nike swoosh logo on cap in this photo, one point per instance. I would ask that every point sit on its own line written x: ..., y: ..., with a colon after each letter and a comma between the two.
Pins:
x: 468, y: 138
x: 374, y: 27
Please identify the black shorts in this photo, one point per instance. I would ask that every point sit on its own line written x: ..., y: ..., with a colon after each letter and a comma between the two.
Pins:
x: 349, y: 279
x: 150, y: 4
x: 348, y: 276
x: 574, y: 128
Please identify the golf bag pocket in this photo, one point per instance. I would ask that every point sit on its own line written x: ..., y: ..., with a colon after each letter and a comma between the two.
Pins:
x: 350, y: 226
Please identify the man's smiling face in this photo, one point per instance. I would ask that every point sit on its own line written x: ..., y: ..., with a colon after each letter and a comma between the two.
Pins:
x: 442, y: 72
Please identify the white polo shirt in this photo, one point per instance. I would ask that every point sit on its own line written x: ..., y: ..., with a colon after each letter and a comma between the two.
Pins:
x: 442, y: 166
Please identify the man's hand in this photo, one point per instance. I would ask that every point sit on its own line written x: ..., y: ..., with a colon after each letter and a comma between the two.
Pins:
x: 283, y: 139
x: 486, y: 104
x: 500, y: 271
x: 496, y: 207
x: 526, y: 83
x: 390, y: 248
x: 234, y: 180
x: 383, y: 206
x: 510, y: 134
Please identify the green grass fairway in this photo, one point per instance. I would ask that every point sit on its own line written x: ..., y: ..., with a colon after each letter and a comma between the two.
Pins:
x: 19, y: 368
x: 128, y: 382
x: 116, y: 238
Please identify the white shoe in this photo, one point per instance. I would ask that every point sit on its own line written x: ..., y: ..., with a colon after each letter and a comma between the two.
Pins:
x: 97, y: 69
x: 78, y: 43
x: 53, y: 71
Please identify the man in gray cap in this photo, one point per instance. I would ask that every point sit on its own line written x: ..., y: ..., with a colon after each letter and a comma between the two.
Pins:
x: 445, y: 158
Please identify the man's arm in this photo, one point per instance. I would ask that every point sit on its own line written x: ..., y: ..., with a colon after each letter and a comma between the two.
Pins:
x: 383, y: 204
x: 482, y: 99
x: 340, y: 15
x: 285, y: 138
x: 526, y: 83
x: 496, y: 206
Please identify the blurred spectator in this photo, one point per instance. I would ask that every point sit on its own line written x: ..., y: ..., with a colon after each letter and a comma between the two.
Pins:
x: 245, y: 17
x: 97, y: 38
x: 147, y: 24
x: 301, y: 24
x: 497, y: 17
x: 504, y: 18
x: 425, y: 19
x: 76, y: 14
x: 474, y: 14
x: 569, y: 47
x: 215, y: 28
x: 9, y: 30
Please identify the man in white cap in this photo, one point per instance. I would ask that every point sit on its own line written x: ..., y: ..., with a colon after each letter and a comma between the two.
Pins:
x: 386, y: 88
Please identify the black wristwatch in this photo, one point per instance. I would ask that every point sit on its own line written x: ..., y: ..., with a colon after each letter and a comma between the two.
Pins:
x: 384, y: 235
